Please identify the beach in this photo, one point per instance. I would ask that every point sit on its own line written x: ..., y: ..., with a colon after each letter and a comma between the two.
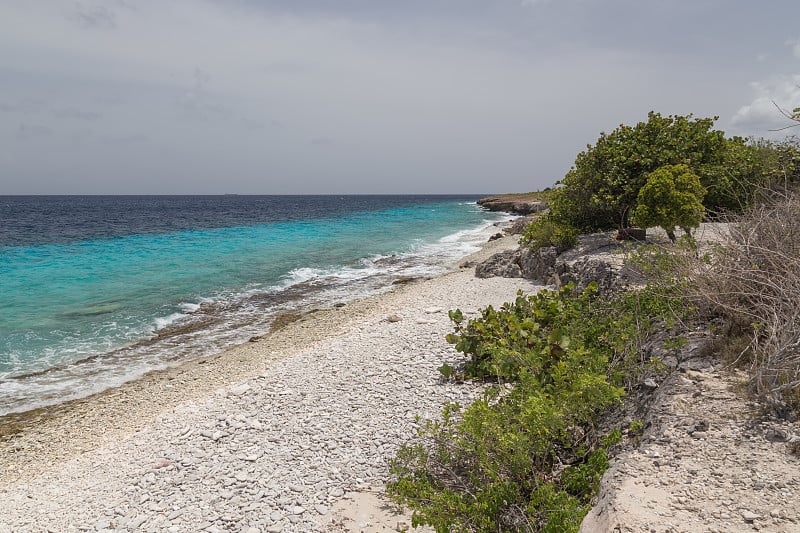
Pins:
x: 272, y: 435
x: 294, y: 430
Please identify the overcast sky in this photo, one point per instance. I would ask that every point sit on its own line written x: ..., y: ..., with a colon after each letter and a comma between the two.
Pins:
x: 366, y: 96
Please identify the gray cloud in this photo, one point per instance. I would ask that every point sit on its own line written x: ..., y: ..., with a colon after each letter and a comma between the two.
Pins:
x: 774, y: 99
x: 125, y: 139
x: 28, y: 132
x: 795, y: 44
x: 98, y: 14
x: 25, y: 107
x: 256, y: 96
x: 322, y: 141
x: 94, y: 16
x: 77, y: 114
x: 766, y: 116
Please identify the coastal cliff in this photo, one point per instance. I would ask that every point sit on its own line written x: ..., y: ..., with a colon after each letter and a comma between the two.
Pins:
x: 516, y: 204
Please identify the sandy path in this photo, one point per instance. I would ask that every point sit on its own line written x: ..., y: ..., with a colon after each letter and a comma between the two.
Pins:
x: 266, y: 437
x: 709, y: 463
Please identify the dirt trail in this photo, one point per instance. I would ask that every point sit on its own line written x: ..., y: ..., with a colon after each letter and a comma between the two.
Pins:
x: 708, y: 463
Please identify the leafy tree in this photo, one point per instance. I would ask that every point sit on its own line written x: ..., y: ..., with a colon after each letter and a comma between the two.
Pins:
x: 672, y: 196
x: 602, y: 188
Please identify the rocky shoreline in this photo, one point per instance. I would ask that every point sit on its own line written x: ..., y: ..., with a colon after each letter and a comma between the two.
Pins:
x: 283, y: 434
x: 293, y: 432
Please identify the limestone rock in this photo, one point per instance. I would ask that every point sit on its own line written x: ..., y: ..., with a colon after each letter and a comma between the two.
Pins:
x: 519, y: 225
x: 594, y: 259
x: 650, y: 384
x: 502, y: 265
x: 538, y: 264
x: 775, y: 435
x: 587, y: 270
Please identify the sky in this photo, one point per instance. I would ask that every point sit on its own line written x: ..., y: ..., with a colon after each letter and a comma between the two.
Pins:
x: 367, y: 96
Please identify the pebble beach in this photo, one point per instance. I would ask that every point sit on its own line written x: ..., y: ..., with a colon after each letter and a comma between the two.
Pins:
x: 273, y: 435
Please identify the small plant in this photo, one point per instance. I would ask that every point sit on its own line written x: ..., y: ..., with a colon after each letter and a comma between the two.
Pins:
x: 635, y: 430
x: 636, y: 427
x: 447, y: 372
x: 527, y: 456
x: 545, y: 231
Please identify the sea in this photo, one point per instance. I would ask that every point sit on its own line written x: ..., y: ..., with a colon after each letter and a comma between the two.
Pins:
x: 98, y: 290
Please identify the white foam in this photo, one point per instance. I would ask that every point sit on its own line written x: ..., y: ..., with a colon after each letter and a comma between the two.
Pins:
x: 345, y: 273
x: 301, y: 275
x: 462, y: 242
x: 468, y: 234
x: 369, y: 275
x: 162, y: 322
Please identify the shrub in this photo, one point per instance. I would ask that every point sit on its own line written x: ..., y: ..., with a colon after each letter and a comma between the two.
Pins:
x: 672, y: 196
x: 545, y: 231
x: 601, y: 189
x: 526, y: 456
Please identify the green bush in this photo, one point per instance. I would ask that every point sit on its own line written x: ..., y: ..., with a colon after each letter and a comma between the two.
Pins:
x: 499, y: 464
x: 672, y: 196
x: 601, y: 189
x: 528, y: 333
x: 545, y: 231
x: 527, y: 456
x: 537, y: 329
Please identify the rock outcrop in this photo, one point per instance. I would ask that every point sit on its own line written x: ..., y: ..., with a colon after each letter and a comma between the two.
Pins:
x: 516, y: 204
x: 502, y: 265
x: 596, y: 258
x: 518, y: 226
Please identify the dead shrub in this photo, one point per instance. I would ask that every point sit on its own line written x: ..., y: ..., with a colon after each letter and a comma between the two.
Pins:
x: 752, y: 279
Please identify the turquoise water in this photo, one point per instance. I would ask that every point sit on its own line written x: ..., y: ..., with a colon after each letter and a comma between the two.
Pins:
x: 79, y: 316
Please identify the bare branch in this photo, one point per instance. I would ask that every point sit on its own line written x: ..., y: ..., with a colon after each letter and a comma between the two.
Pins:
x: 787, y: 114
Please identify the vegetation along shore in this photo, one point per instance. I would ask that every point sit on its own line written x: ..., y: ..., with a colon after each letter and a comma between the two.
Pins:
x: 671, y: 356
x: 623, y: 357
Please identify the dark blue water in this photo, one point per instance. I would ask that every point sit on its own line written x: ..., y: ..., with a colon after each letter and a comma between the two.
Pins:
x: 97, y: 290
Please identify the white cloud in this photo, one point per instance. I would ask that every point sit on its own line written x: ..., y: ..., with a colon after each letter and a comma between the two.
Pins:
x: 763, y: 114
x: 774, y: 98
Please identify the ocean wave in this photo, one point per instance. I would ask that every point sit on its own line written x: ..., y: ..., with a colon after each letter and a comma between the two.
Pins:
x: 211, y: 323
x: 189, y: 307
